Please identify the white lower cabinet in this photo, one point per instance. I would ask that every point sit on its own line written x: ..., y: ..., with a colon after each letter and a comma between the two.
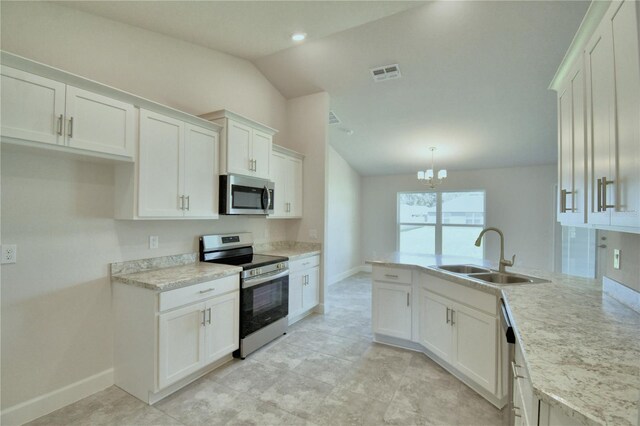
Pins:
x: 454, y: 324
x: 392, y: 309
x: 461, y: 336
x: 304, y: 287
x: 164, y: 340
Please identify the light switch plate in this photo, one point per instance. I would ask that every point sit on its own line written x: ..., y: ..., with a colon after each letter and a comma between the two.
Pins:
x: 616, y: 259
x: 9, y: 253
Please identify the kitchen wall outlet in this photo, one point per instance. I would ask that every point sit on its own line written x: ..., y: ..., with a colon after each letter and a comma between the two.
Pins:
x: 153, y: 242
x: 9, y: 253
x: 313, y: 234
x: 616, y: 259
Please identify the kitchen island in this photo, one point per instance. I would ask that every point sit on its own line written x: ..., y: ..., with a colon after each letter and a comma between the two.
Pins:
x: 581, y: 348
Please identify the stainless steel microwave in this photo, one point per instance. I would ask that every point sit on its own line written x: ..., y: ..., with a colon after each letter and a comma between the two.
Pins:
x: 245, y: 195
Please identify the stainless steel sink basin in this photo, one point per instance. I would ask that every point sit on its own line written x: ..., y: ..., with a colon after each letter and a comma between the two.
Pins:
x: 463, y: 269
x: 505, y: 278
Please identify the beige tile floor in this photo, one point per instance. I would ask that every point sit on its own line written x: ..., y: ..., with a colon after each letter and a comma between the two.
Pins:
x: 325, y: 371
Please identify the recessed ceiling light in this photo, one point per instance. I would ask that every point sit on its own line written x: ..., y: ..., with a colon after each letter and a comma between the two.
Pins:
x: 298, y: 36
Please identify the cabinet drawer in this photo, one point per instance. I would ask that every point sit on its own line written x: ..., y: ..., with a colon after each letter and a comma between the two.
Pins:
x: 302, y: 264
x: 392, y: 275
x: 194, y: 293
x: 476, y: 299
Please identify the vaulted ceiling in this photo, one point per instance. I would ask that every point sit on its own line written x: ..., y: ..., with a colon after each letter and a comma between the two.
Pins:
x: 474, y: 73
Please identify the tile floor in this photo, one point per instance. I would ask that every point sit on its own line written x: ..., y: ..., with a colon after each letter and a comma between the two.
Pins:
x: 325, y: 371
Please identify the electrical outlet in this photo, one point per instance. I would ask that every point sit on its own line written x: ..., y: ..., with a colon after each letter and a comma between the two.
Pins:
x: 9, y: 253
x: 153, y: 242
x: 313, y: 234
x: 616, y: 259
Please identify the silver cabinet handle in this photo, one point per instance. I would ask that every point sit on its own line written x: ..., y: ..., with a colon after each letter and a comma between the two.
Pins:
x: 188, y: 202
x: 60, y: 120
x: 181, y: 202
x: 408, y: 296
x: 599, y: 195
x: 514, y: 368
x: 452, y: 322
x: 305, y: 263
x: 604, y: 184
x: 204, y: 313
x: 514, y: 411
x: 563, y: 201
x: 209, y: 310
x: 70, y: 134
x: 390, y: 276
x: 447, y: 315
x: 255, y: 165
x: 207, y: 290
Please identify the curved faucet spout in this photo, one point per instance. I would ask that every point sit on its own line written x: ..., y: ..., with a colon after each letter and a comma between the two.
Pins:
x: 503, y: 262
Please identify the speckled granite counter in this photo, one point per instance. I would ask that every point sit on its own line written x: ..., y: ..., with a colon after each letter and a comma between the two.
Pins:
x: 170, y: 272
x: 291, y: 249
x: 581, y: 347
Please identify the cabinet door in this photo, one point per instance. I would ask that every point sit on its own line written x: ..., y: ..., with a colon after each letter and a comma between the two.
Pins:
x: 238, y: 148
x: 435, y: 326
x: 296, y: 283
x: 161, y: 152
x: 475, y: 345
x: 294, y: 188
x: 32, y: 107
x: 565, y: 153
x: 599, y: 64
x: 181, y: 343
x: 223, y: 326
x: 261, y: 153
x: 626, y: 151
x: 98, y: 123
x: 279, y: 177
x: 392, y: 309
x: 200, y: 172
x: 311, y: 289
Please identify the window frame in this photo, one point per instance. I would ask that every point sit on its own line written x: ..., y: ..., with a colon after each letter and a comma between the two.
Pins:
x: 439, y: 224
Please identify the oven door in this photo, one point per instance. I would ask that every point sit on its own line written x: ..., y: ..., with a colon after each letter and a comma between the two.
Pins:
x: 245, y: 195
x: 263, y: 300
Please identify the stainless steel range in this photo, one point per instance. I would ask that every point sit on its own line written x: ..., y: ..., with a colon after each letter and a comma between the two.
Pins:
x: 264, y: 288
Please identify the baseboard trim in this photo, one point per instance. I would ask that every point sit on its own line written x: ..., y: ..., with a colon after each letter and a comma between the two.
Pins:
x: 343, y: 275
x: 54, y: 400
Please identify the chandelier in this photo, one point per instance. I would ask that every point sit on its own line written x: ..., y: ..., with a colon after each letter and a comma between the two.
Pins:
x: 428, y: 177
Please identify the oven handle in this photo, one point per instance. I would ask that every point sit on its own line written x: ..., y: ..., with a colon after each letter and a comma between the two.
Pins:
x: 264, y: 278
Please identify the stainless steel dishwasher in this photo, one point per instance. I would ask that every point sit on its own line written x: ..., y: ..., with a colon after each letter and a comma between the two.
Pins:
x: 510, y: 337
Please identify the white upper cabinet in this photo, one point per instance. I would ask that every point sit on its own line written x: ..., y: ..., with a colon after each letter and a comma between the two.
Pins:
x: 572, y: 159
x: 245, y: 144
x: 286, y: 173
x: 37, y: 109
x: 32, y: 107
x: 609, y: 63
x: 98, y: 123
x: 177, y: 172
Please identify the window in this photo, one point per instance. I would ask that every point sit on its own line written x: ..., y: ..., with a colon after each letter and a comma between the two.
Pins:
x: 440, y: 222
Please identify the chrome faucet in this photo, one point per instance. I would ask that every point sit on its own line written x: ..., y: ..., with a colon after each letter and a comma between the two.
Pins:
x: 503, y: 262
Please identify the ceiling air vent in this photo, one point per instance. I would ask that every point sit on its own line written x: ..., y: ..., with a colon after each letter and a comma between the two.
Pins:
x: 333, y: 118
x: 387, y: 72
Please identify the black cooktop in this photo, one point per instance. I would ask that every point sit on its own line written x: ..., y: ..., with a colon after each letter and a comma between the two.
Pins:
x: 248, y: 261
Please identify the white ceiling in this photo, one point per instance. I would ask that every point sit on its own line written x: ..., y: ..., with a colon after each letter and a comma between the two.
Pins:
x: 474, y: 73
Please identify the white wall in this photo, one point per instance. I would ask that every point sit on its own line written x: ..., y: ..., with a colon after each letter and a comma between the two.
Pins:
x: 519, y: 201
x: 343, y: 219
x: 307, y: 133
x: 56, y: 313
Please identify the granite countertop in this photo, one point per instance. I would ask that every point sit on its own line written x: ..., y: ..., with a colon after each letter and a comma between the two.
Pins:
x: 290, y: 249
x: 581, y: 347
x: 173, y: 277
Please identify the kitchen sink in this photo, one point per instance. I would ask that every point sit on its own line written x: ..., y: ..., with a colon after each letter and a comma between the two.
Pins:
x: 489, y: 275
x: 463, y: 269
x: 505, y: 278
